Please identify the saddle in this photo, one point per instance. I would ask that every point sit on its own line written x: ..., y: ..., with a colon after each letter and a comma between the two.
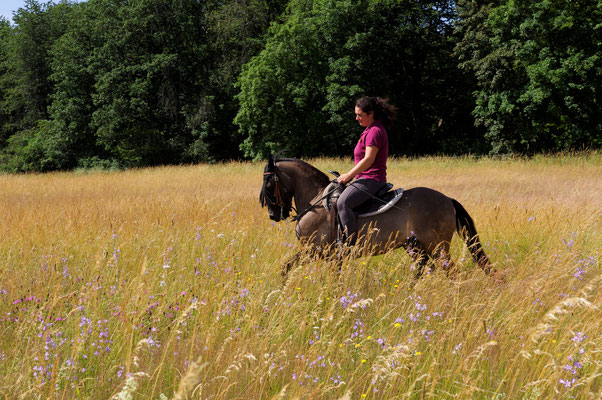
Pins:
x: 382, y: 201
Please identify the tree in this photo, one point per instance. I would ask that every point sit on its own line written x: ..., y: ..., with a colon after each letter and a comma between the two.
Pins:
x: 236, y: 31
x: 150, y: 67
x: 298, y: 93
x: 26, y: 88
x: 538, y: 66
x: 74, y: 77
x: 5, y: 34
x: 122, y: 83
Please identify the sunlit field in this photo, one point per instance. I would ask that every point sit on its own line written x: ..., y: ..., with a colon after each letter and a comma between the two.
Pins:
x: 165, y: 283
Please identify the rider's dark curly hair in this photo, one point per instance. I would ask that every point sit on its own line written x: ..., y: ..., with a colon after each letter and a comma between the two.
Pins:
x: 383, y: 111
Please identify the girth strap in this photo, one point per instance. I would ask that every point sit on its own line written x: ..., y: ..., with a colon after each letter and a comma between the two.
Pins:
x: 334, y: 219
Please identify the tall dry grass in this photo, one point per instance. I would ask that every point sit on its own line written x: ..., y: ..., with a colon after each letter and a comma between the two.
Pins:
x: 164, y: 283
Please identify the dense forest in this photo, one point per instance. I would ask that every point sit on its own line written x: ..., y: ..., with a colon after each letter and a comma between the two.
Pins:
x: 129, y: 83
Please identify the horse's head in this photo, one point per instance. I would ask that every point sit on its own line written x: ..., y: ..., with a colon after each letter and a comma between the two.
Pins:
x: 274, y: 193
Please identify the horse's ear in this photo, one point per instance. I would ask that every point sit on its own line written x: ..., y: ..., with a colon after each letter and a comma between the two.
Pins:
x: 270, y: 162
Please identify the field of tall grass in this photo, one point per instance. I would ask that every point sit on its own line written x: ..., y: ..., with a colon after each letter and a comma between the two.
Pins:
x: 165, y: 283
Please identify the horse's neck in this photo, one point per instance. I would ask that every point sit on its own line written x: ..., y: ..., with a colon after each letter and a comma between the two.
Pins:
x: 304, y: 187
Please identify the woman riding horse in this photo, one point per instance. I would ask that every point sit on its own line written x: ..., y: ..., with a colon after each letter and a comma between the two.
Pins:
x: 370, y: 154
x: 423, y: 221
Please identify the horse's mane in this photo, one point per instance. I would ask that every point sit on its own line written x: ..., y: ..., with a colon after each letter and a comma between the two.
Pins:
x: 310, y: 169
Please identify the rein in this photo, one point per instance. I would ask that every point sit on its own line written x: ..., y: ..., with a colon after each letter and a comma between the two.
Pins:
x: 311, y: 206
x: 279, y: 198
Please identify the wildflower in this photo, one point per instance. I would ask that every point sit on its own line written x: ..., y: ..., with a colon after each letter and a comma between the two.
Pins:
x: 427, y: 334
x: 570, y: 242
x: 580, y: 272
x: 347, y: 300
x: 579, y: 337
x: 567, y: 383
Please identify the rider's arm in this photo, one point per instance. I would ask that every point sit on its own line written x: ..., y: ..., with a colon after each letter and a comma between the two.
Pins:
x: 361, y: 166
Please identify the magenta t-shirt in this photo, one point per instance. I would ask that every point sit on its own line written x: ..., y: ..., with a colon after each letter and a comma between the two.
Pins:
x: 374, y: 135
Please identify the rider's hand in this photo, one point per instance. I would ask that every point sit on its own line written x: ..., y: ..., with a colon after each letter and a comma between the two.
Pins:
x: 344, y: 179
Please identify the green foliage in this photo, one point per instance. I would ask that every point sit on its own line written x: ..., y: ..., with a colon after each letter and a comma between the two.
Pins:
x: 149, y: 66
x: 298, y: 93
x: 5, y: 33
x: 26, y: 88
x: 39, y: 148
x: 133, y: 83
x: 236, y: 31
x: 73, y: 78
x: 282, y: 90
x: 538, y: 67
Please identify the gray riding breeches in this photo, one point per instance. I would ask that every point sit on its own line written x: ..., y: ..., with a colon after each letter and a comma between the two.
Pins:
x: 356, y: 193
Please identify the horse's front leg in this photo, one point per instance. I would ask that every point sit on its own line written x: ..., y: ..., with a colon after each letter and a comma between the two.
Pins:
x: 309, y: 252
x: 290, y: 263
x: 312, y: 232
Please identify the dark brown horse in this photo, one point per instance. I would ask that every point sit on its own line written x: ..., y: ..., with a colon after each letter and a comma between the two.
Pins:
x: 423, y: 221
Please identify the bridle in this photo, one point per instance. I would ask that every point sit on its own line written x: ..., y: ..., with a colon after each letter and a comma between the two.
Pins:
x: 279, y: 200
x: 281, y: 197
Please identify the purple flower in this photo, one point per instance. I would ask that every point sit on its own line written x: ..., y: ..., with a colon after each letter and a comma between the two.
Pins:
x: 568, y: 383
x: 347, y: 300
x: 580, y: 272
x: 571, y: 241
x: 579, y: 337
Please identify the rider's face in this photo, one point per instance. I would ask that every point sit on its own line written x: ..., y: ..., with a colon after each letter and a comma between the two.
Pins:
x: 364, y: 119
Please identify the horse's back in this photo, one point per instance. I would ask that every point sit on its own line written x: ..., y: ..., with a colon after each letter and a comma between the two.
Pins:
x: 422, y: 212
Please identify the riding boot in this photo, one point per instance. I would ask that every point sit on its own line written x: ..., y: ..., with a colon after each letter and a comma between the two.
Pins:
x: 350, y: 240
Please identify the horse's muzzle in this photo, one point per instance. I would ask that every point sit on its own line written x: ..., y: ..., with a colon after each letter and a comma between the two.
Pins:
x: 274, y: 214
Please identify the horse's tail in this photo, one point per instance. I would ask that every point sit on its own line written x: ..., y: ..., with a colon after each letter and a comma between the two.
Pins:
x: 467, y: 230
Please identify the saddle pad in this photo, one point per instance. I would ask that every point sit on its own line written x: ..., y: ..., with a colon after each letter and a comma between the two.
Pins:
x: 385, y: 207
x: 332, y: 190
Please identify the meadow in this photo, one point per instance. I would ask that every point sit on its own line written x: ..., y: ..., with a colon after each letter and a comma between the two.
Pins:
x: 165, y: 283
